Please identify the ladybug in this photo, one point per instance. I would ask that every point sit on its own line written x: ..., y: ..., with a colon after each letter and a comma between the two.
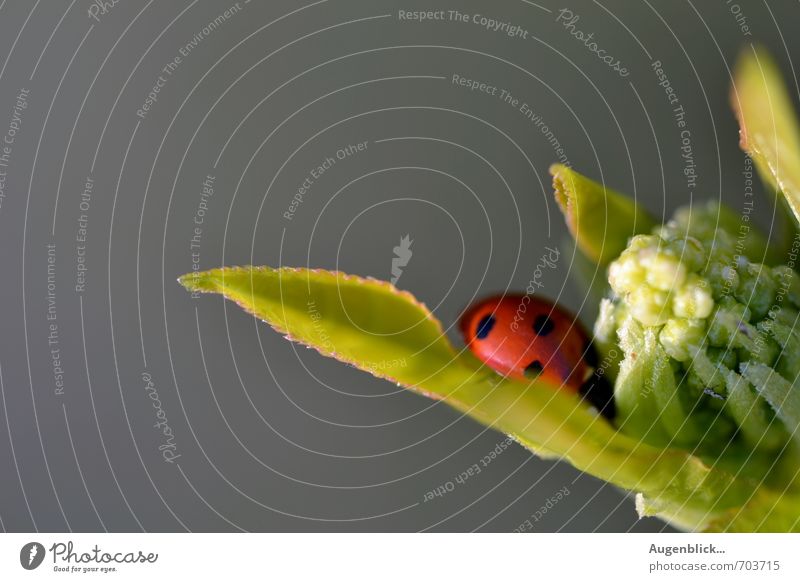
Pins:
x: 526, y: 337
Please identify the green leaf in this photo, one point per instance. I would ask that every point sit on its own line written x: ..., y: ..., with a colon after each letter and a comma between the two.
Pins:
x: 375, y: 327
x: 782, y: 396
x: 633, y: 390
x: 363, y: 322
x: 600, y: 219
x: 750, y: 413
x: 768, y: 128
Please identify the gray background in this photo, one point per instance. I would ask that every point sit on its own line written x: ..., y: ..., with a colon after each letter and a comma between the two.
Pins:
x: 273, y: 437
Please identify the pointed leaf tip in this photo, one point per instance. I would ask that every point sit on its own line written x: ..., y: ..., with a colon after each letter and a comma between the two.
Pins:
x: 769, y: 131
x: 600, y: 219
x: 197, y: 281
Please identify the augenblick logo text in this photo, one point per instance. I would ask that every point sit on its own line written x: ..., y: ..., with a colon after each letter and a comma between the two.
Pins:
x: 685, y: 549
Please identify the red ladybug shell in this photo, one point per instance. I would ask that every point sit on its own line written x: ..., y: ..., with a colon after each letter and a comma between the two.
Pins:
x: 523, y: 337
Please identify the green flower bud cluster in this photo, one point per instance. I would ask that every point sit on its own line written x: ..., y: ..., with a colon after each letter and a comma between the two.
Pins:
x: 710, y: 338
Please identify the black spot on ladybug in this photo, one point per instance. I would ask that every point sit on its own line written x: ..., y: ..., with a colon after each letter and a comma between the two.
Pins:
x: 534, y: 369
x: 485, y: 325
x: 590, y: 355
x: 542, y: 325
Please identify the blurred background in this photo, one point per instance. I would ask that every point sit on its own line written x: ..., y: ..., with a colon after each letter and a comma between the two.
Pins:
x: 144, y: 139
